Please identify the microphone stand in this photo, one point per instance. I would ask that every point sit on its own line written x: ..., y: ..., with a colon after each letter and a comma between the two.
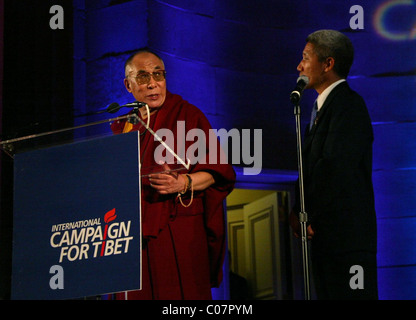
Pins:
x: 303, y: 216
x: 136, y: 119
x: 7, y: 145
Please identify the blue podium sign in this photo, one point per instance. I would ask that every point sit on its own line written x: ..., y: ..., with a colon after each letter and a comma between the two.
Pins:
x: 76, y: 227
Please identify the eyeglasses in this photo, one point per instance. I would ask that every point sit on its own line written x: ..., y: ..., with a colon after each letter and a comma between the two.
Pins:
x: 144, y: 77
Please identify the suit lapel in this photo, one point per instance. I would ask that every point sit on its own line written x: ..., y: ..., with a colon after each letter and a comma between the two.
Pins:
x: 342, y: 86
x: 311, y: 133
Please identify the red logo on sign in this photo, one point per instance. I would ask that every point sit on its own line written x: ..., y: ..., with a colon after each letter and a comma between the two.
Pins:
x: 108, y: 217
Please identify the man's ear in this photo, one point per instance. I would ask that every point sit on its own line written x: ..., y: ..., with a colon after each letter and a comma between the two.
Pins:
x: 329, y: 64
x: 127, y: 84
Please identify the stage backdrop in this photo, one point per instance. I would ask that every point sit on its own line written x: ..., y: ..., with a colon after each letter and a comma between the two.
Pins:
x: 236, y: 60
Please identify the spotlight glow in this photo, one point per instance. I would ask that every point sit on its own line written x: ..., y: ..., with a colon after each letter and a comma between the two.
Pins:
x: 380, y: 17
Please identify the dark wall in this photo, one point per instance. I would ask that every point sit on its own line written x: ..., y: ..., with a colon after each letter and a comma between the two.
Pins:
x: 38, y: 73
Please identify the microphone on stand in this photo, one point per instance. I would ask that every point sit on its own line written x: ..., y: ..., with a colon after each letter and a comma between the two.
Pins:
x: 114, y: 107
x: 296, y: 94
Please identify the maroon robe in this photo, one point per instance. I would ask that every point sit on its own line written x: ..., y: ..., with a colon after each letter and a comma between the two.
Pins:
x: 183, y: 248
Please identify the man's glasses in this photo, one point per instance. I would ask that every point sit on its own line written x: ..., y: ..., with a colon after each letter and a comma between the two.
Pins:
x: 144, y: 77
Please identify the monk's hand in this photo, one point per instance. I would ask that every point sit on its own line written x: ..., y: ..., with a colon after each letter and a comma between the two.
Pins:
x: 167, y: 182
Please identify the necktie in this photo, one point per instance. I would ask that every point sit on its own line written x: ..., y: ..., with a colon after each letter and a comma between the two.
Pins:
x: 313, y: 115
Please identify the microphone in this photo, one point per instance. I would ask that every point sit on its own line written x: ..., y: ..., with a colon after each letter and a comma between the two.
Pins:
x: 114, y: 107
x: 296, y: 94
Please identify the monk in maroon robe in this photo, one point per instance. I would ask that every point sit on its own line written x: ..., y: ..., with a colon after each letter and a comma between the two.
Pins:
x: 183, y: 222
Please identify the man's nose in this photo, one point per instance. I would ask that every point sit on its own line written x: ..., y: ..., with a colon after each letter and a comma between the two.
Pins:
x: 300, y: 67
x: 152, y: 83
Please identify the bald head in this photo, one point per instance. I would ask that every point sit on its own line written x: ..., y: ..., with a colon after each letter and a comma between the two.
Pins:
x: 145, y: 51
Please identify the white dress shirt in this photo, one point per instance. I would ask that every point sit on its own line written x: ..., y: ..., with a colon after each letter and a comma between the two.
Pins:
x: 322, y: 97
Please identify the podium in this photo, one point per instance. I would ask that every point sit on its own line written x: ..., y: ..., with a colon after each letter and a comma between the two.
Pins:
x: 76, y: 219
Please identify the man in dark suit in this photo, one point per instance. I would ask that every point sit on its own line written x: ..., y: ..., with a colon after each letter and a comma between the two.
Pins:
x: 337, y: 164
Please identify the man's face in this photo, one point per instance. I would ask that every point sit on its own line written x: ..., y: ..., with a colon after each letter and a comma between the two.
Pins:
x: 311, y: 67
x: 152, y: 93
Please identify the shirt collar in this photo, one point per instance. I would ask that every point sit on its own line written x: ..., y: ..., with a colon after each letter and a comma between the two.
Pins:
x: 322, y: 97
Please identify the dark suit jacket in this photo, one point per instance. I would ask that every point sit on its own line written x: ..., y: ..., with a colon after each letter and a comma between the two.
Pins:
x: 337, y: 157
